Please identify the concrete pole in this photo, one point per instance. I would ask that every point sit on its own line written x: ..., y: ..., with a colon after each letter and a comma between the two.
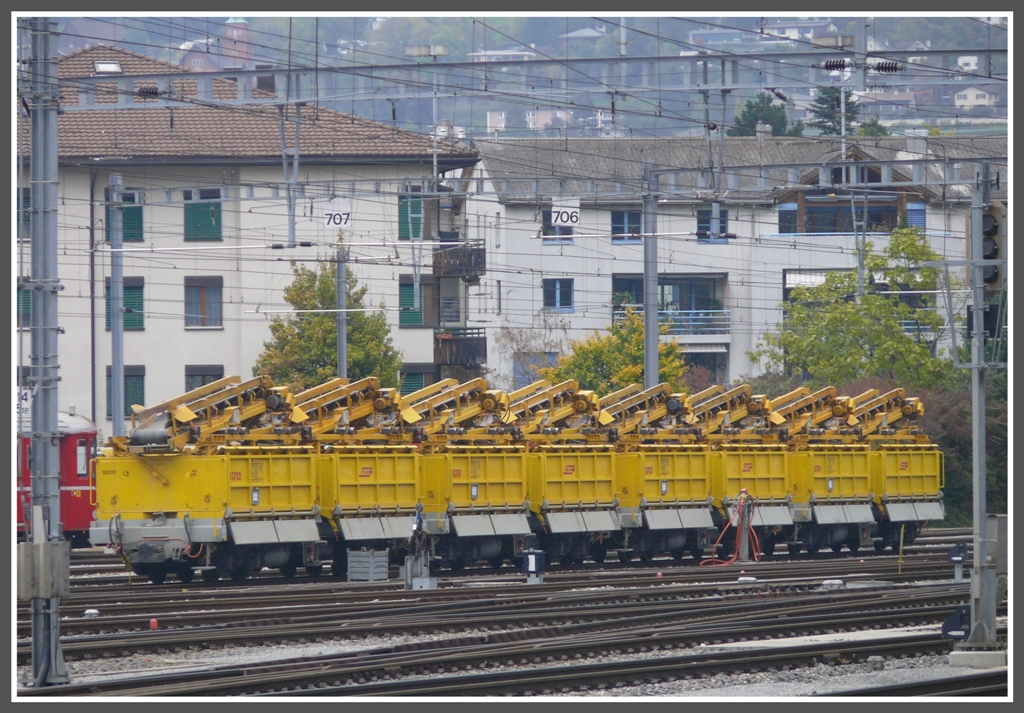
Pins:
x: 47, y: 658
x: 116, y: 306
x: 983, y: 574
x: 650, y: 199
x: 342, y: 289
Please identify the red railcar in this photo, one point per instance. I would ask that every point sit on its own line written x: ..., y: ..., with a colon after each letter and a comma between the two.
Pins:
x: 77, y: 444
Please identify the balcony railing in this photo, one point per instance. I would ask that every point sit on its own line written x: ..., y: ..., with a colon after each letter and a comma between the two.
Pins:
x: 467, y: 260
x: 683, y: 322
x: 460, y: 347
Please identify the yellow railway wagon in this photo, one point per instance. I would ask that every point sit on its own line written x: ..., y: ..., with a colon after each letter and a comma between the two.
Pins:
x: 264, y: 483
x: 765, y: 472
x: 906, y: 472
x: 574, y: 477
x: 907, y: 482
x: 365, y: 479
x: 840, y: 472
x: 673, y: 476
x: 487, y: 479
x: 137, y: 487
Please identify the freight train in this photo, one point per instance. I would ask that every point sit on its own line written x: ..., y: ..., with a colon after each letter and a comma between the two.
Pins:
x: 236, y: 476
x: 77, y: 444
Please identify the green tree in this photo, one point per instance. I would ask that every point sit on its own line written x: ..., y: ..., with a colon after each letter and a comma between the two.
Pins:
x: 607, y: 362
x: 872, y: 128
x: 760, y: 109
x: 828, y: 116
x: 303, y: 350
x: 828, y: 336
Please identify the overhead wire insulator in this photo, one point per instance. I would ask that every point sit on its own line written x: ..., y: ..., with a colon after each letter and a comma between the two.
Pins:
x: 835, y: 64
x: 779, y: 93
x: 887, y: 67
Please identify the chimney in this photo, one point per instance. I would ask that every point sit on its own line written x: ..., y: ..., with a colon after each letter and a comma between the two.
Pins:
x: 763, y: 131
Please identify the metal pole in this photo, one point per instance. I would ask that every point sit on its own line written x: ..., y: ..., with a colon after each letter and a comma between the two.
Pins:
x: 650, y: 199
x: 983, y: 578
x: 116, y: 306
x: 47, y: 657
x: 342, y: 288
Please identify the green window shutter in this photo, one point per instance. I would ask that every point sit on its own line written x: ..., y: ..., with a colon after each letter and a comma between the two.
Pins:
x: 407, y: 317
x: 411, y: 383
x: 202, y: 220
x: 24, y: 307
x: 410, y: 218
x: 131, y: 221
x: 134, y: 393
x: 133, y: 321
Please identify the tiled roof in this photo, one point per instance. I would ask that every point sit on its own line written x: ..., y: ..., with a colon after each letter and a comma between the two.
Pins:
x: 615, y: 165
x: 202, y: 133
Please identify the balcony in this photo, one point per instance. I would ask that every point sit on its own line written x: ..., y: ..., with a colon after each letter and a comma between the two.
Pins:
x: 465, y: 259
x: 685, y: 323
x: 460, y: 347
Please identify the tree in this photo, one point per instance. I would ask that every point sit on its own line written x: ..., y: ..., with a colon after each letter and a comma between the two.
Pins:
x: 608, y: 362
x: 872, y: 128
x: 760, y: 109
x: 828, y: 336
x: 828, y: 115
x: 303, y: 351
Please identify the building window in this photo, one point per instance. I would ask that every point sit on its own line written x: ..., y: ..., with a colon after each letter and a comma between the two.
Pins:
x: 549, y: 231
x: 787, y: 217
x: 203, y: 299
x: 197, y: 375
x: 626, y: 224
x: 133, y: 303
x: 962, y: 97
x: 526, y: 366
x: 407, y: 317
x: 202, y: 214
x: 415, y: 216
x: 24, y: 307
x: 131, y: 217
x: 704, y: 223
x: 134, y: 389
x: 558, y: 295
x: 916, y: 215
x: 837, y: 218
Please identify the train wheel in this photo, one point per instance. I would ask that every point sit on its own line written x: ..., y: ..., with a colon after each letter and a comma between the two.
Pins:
x: 793, y: 548
x: 288, y: 570
x: 496, y: 562
x: 239, y: 574
x: 314, y: 570
x: 880, y: 546
x: 768, y: 546
x: 157, y: 575
x: 837, y: 547
x: 598, y: 554
x: 210, y: 575
x: 646, y: 557
x: 853, y: 542
x: 677, y: 554
x: 697, y: 552
x: 185, y: 574
x: 625, y: 556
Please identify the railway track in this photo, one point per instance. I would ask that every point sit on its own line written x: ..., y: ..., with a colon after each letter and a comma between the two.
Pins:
x: 432, y: 611
x: 94, y: 567
x: 172, y: 604
x: 986, y: 683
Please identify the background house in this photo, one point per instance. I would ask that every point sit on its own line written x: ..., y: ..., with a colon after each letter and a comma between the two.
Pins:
x: 211, y: 178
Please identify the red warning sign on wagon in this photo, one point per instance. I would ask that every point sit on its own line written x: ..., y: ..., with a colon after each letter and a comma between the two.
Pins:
x: 366, y: 472
x: 569, y: 470
x: 747, y: 467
